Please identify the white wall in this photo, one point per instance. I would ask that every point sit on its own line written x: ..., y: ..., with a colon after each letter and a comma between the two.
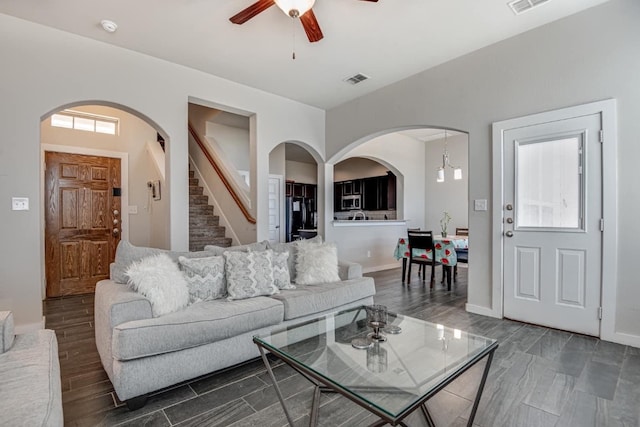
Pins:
x: 44, y: 69
x: 235, y: 143
x: 305, y: 173
x: 451, y: 195
x: 589, y: 56
x: 132, y: 139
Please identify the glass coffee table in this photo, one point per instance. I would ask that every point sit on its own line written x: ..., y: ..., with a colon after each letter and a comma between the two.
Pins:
x: 390, y: 379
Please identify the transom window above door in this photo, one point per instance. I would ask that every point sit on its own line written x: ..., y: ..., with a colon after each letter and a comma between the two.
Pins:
x: 78, y: 120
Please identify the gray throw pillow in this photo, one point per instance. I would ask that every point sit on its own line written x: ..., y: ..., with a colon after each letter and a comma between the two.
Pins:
x: 205, y: 278
x: 292, y: 249
x: 249, y: 274
x: 281, y: 276
x: 219, y: 250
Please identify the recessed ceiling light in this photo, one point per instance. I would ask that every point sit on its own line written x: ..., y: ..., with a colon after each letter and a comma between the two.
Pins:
x: 109, y: 26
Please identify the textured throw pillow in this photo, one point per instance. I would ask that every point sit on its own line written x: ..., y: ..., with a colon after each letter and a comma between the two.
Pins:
x: 292, y: 249
x: 205, y: 278
x: 317, y: 263
x: 249, y: 274
x: 159, y: 279
x: 281, y: 277
x: 219, y: 250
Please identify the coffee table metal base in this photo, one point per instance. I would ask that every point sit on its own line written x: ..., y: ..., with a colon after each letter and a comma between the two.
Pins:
x: 384, y: 419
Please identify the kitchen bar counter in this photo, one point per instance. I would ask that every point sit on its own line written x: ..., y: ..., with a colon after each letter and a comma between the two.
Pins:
x: 369, y: 222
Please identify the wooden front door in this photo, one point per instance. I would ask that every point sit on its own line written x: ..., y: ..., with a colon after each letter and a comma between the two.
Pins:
x: 82, y: 221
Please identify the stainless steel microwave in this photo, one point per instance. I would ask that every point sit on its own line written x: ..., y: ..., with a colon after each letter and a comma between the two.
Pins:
x: 351, y: 202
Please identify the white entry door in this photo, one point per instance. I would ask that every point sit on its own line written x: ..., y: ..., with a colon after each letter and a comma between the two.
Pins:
x: 552, y: 224
x: 275, y: 184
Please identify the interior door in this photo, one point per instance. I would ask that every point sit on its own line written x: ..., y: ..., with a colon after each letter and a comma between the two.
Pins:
x: 552, y: 232
x: 82, y: 221
x: 274, y: 209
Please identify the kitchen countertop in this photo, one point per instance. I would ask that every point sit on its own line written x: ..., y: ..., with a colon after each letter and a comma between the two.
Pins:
x: 368, y: 222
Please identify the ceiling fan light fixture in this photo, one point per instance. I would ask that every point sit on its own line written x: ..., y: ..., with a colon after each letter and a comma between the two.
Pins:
x: 295, y: 8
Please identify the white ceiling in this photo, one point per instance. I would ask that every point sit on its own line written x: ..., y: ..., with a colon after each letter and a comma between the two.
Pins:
x: 388, y: 40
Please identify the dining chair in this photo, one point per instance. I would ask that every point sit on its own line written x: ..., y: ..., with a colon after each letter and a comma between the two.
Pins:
x: 422, y: 240
x: 461, y: 254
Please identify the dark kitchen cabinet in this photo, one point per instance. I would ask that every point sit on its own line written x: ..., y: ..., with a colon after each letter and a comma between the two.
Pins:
x: 337, y: 197
x: 298, y: 190
x: 288, y: 188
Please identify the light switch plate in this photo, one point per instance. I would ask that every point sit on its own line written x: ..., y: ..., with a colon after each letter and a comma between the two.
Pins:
x: 480, y: 205
x: 133, y: 209
x: 19, y: 203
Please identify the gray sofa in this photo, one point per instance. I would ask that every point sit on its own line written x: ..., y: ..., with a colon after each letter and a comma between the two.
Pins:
x: 142, y: 354
x: 30, y: 391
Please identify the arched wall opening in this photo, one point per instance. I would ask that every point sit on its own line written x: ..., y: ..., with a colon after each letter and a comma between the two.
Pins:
x: 139, y: 144
x: 297, y: 168
x: 413, y: 153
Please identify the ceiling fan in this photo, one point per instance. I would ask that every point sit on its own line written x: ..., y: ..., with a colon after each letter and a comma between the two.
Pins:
x: 294, y: 8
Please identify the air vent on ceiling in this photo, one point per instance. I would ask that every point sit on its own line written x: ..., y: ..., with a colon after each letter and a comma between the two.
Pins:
x: 355, y: 79
x: 521, y: 6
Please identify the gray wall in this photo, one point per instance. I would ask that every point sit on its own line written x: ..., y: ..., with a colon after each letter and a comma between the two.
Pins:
x: 586, y: 57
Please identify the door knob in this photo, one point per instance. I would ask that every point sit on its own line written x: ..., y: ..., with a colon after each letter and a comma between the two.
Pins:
x: 509, y: 233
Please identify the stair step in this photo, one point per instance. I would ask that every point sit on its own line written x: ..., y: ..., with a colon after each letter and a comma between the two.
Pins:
x: 200, y: 233
x: 203, y: 221
x: 198, y: 199
x: 192, y: 174
x: 200, y: 210
x: 195, y: 190
x: 193, y: 181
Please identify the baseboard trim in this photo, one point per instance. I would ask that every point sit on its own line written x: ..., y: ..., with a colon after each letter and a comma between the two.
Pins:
x: 622, y: 338
x: 29, y: 327
x: 476, y: 309
x: 379, y: 268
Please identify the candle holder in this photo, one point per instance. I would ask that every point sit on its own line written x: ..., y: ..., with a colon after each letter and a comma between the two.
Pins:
x: 377, y: 359
x: 377, y: 318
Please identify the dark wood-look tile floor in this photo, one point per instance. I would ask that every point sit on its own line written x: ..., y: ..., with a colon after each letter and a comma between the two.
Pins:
x: 539, y: 377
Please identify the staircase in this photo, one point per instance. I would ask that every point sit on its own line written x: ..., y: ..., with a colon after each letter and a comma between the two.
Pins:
x: 204, y: 227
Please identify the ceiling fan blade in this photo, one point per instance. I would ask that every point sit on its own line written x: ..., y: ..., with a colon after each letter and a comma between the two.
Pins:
x: 248, y: 13
x: 311, y: 27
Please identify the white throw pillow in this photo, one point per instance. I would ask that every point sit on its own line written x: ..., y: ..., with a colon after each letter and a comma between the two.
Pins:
x: 159, y: 279
x: 205, y: 278
x: 281, y: 275
x: 317, y: 263
x: 249, y: 274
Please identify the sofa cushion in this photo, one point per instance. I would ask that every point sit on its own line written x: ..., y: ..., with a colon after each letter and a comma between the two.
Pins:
x: 307, y: 300
x: 201, y: 323
x: 205, y: 278
x: 30, y: 389
x: 292, y: 249
x: 127, y: 254
x: 249, y: 274
x: 219, y: 250
x: 159, y: 279
x: 281, y: 275
x: 317, y: 263
x: 6, y: 331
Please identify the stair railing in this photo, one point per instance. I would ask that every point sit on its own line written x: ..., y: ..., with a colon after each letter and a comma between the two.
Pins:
x: 222, y: 176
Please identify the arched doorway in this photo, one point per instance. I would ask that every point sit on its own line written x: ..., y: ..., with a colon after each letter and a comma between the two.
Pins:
x: 103, y: 180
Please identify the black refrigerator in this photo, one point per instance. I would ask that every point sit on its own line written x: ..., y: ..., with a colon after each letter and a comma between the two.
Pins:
x: 300, y: 214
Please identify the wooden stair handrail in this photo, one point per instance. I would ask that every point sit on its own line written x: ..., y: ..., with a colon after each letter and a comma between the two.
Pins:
x: 224, y: 179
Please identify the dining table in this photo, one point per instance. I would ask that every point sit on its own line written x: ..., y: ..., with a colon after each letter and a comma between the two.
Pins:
x: 445, y: 248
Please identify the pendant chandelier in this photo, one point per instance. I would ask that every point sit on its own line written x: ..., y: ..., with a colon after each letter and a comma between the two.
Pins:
x: 457, y: 171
